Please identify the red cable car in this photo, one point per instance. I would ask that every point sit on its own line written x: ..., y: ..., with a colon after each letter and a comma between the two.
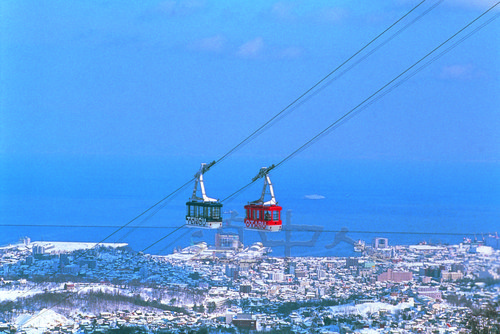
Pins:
x: 204, y: 212
x: 260, y: 215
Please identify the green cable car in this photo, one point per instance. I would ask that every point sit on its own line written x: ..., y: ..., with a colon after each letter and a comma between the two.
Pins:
x: 203, y: 211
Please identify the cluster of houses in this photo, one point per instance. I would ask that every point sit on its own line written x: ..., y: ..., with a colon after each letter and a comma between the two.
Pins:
x: 394, y: 289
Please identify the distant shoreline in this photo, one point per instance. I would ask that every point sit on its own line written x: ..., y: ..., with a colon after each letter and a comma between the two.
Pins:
x: 51, y: 247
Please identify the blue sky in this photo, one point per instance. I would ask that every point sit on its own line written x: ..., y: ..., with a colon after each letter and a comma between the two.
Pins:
x: 126, y: 98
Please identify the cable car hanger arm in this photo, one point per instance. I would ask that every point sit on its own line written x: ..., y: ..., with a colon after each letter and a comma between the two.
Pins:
x: 199, y: 179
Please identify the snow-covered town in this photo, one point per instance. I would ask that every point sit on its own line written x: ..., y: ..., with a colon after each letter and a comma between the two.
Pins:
x: 62, y: 287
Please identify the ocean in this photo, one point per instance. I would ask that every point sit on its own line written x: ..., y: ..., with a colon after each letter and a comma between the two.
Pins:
x: 407, y: 204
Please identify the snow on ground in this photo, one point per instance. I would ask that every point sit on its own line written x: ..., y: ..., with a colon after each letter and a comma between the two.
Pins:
x: 485, y: 250
x: 10, y: 295
x: 41, y: 321
x: 427, y: 248
x: 66, y: 247
x: 9, y: 247
x: 100, y: 288
x: 368, y: 308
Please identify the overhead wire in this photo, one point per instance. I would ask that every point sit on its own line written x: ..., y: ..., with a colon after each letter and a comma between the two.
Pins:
x: 148, y: 209
x: 86, y: 226
x: 121, y: 227
x: 405, y: 232
x: 331, y: 127
x: 149, y: 227
x: 162, y: 238
x: 172, y: 242
x: 394, y: 82
x: 64, y: 298
x: 375, y: 96
x: 272, y: 119
x: 372, y: 98
x: 338, y: 121
x: 281, y: 114
x: 151, y: 214
x: 319, y: 88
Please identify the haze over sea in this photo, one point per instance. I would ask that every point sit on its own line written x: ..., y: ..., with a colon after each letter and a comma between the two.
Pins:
x: 414, y: 197
x: 108, y: 107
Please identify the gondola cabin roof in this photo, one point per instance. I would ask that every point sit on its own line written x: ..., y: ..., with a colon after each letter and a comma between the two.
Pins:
x: 205, y: 204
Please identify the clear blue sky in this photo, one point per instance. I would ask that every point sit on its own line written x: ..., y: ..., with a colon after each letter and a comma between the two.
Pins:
x: 126, y: 98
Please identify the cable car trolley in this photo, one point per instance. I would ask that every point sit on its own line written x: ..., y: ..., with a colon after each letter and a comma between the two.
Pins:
x: 204, y: 212
x: 260, y: 215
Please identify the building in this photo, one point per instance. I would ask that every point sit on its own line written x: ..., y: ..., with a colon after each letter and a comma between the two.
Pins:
x: 71, y: 269
x: 351, y: 262
x: 431, y: 292
x: 90, y: 263
x: 227, y: 241
x: 451, y: 275
x: 64, y: 260
x: 380, y: 243
x: 276, y: 276
x: 321, y: 274
x: 458, y: 267
x: 38, y: 250
x: 425, y: 279
x: 245, y: 320
x: 395, y: 276
x: 25, y: 241
x: 245, y: 288
x: 232, y: 271
x: 488, y: 274
x: 434, y: 272
x: 300, y: 273
x: 30, y: 260
x: 291, y: 268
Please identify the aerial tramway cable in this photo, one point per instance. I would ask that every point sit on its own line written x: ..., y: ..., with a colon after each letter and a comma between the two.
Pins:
x: 187, y: 231
x: 384, y: 90
x: 334, y: 124
x: 162, y: 203
x: 387, y: 87
x: 322, y: 80
x: 361, y: 59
